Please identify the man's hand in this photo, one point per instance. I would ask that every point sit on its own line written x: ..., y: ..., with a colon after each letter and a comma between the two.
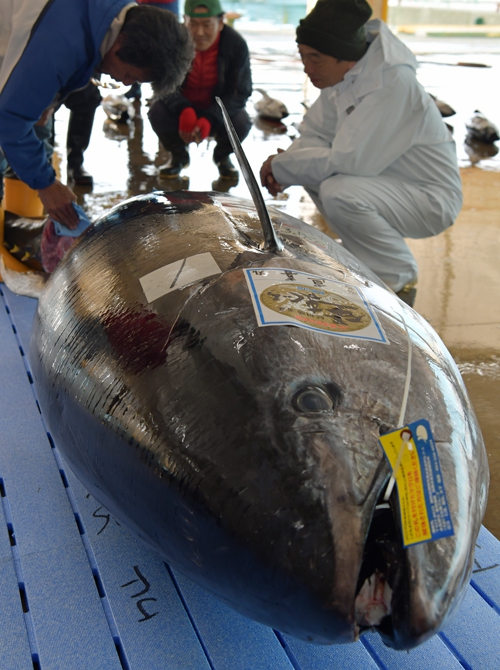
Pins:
x: 267, y: 178
x: 58, y: 201
x: 44, y: 119
x: 200, y: 131
x: 190, y: 136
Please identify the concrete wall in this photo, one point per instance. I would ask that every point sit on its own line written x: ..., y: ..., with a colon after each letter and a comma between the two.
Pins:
x: 398, y: 16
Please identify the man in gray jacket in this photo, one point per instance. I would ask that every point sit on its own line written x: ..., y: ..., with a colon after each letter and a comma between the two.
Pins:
x: 374, y: 152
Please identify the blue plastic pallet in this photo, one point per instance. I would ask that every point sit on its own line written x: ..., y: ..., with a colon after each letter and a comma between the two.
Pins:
x: 78, y: 592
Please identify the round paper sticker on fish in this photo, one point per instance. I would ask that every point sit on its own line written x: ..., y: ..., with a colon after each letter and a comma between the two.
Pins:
x: 284, y: 296
x: 316, y: 307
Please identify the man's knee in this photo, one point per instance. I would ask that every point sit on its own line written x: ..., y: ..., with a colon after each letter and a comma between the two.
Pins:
x: 87, y: 99
x: 338, y: 196
x: 162, y: 120
x: 242, y: 124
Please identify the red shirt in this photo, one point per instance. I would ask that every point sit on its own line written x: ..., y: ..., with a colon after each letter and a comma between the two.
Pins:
x: 203, y: 77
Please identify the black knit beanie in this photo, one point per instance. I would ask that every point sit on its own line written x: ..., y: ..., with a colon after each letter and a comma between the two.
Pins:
x: 336, y: 28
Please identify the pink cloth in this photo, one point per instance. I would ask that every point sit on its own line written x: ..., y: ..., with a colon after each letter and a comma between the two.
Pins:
x: 53, y: 247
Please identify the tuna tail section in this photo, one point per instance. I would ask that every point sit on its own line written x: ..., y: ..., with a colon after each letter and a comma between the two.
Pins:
x: 29, y: 283
x: 272, y: 241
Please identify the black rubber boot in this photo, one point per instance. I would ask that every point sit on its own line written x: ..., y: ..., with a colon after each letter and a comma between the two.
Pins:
x: 79, y: 175
x: 408, y: 293
x: 179, y: 158
x: 226, y: 168
x: 82, y: 105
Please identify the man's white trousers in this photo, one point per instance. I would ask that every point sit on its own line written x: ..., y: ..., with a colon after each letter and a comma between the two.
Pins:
x: 373, y: 215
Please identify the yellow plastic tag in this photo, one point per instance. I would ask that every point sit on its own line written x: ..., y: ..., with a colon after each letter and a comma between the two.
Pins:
x: 400, y: 446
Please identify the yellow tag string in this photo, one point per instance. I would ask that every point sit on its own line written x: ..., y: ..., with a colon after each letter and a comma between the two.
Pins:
x: 405, y: 441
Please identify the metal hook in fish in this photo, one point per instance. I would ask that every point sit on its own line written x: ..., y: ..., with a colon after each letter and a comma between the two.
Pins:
x: 272, y: 241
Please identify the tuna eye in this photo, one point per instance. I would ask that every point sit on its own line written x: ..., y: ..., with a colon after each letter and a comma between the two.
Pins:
x: 312, y: 399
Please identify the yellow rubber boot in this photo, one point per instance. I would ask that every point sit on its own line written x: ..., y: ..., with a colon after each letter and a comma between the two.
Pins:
x: 22, y: 200
x: 9, y: 260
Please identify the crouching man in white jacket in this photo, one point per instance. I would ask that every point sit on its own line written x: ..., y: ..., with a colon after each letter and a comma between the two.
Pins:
x: 373, y: 152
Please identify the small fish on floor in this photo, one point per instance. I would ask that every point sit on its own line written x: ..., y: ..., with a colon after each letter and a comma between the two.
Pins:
x: 481, y: 128
x: 270, y: 108
x: 478, y: 151
x: 118, y: 108
x: 444, y: 108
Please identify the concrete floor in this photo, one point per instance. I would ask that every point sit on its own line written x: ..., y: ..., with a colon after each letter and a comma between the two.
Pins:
x: 459, y: 280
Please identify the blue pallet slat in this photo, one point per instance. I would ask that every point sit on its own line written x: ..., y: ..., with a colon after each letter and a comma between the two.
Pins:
x: 314, y: 657
x: 22, y: 310
x: 15, y: 653
x: 47, y: 537
x: 149, y: 616
x: 474, y: 634
x: 61, y: 596
x: 486, y: 571
x: 233, y: 642
x: 433, y: 653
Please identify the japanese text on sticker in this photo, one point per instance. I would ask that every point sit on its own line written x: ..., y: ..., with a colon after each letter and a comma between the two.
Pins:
x: 413, y: 455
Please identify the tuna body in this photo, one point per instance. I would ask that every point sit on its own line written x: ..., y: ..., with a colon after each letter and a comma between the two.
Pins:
x: 248, y: 455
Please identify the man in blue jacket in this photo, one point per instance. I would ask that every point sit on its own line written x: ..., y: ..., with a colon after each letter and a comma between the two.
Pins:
x: 49, y: 48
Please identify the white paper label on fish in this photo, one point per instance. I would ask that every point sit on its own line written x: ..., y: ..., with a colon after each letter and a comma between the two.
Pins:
x: 177, y: 275
x: 287, y: 297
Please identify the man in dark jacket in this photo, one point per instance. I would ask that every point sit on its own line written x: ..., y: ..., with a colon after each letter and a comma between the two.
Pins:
x: 221, y: 68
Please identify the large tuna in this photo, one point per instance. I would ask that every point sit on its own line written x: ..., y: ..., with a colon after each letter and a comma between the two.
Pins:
x: 248, y: 455
x: 224, y: 399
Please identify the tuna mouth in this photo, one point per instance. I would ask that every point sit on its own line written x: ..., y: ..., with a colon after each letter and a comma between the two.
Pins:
x: 383, y: 579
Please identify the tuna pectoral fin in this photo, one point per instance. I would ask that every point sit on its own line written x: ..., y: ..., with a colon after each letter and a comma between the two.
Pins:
x: 28, y: 283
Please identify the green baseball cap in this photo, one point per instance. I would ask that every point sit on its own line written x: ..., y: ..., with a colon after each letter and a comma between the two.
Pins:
x: 213, y: 7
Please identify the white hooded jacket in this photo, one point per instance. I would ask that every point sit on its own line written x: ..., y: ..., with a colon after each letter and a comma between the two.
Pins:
x: 378, y: 121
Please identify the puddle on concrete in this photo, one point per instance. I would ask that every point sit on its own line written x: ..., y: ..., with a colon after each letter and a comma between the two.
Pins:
x: 459, y: 283
x: 481, y: 373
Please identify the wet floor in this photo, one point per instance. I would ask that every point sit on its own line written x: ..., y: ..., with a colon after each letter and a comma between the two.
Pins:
x: 459, y: 282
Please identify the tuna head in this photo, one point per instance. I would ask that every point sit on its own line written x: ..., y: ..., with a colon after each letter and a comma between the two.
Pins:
x: 288, y: 460
x: 248, y: 456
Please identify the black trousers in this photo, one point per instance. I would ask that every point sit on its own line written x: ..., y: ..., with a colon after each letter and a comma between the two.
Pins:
x: 82, y: 105
x: 165, y: 123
